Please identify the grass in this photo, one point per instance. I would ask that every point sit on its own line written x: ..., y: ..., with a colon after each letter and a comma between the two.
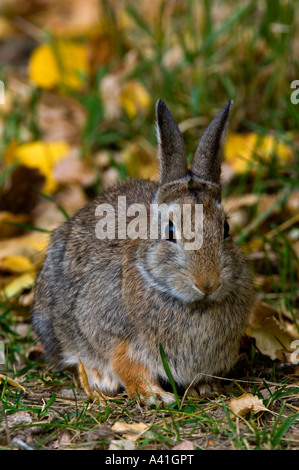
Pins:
x: 196, y: 56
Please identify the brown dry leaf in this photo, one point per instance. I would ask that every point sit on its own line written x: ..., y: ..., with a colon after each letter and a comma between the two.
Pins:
x: 18, y: 285
x: 16, y: 419
x: 269, y: 331
x: 131, y: 432
x: 60, y: 117
x: 20, y: 192
x: 245, y: 404
x: 83, y: 379
x: 11, y: 382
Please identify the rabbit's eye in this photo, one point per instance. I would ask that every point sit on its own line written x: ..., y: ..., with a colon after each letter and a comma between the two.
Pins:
x: 170, y: 232
x: 226, y: 229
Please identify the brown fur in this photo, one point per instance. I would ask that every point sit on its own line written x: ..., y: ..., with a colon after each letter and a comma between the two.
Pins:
x: 134, y: 375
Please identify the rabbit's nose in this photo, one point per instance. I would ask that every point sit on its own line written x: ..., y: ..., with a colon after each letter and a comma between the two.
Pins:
x: 207, y: 285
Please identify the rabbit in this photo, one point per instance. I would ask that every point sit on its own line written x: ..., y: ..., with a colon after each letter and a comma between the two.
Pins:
x: 113, y: 301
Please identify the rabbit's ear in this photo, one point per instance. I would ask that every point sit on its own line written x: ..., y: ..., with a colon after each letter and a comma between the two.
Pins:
x: 208, y: 156
x: 171, y: 149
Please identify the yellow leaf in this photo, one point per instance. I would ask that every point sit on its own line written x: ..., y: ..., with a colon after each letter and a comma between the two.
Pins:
x: 11, y: 382
x: 83, y: 379
x: 15, y: 287
x: 245, y: 404
x: 241, y: 150
x: 32, y: 245
x: 134, y: 98
x: 62, y: 63
x: 41, y: 155
x: 85, y: 384
x: 16, y: 264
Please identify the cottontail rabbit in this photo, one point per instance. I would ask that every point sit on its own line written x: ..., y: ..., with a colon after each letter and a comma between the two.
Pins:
x: 113, y: 300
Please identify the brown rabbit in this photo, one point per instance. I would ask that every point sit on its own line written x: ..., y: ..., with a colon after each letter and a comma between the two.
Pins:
x: 113, y: 300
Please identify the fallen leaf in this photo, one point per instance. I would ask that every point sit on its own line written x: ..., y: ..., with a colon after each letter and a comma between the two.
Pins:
x: 60, y: 117
x: 63, y: 62
x: 241, y: 150
x: 18, y: 285
x: 245, y: 404
x: 20, y: 192
x: 11, y: 382
x: 40, y: 155
x: 16, y: 264
x: 131, y: 432
x: 31, y: 245
x: 84, y: 379
x: 85, y: 384
x: 269, y: 331
x: 17, y: 419
x: 134, y: 98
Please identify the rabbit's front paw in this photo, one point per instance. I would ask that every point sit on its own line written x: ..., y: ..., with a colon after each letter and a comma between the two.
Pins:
x: 155, y: 396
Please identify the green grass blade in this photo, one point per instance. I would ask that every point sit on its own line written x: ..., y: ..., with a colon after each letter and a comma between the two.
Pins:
x: 169, y: 374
